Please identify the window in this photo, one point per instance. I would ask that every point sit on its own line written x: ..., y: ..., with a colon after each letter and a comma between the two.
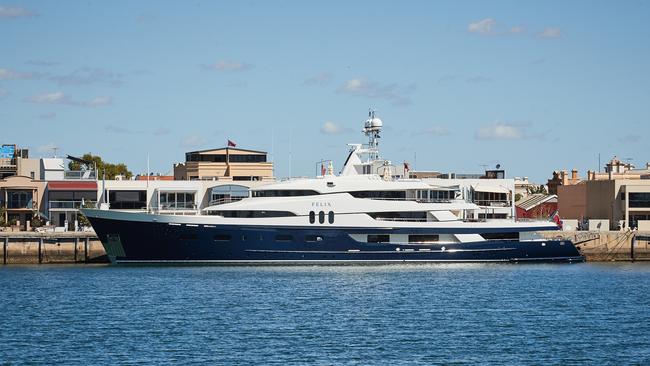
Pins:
x: 424, y: 238
x: 380, y: 195
x: 312, y: 217
x: 379, y: 238
x: 283, y: 237
x: 400, y: 215
x: 188, y: 236
x: 638, y: 199
x: 222, y: 237
x: 252, y: 214
x: 493, y: 216
x: 177, y: 200
x: 313, y: 238
x: 330, y: 217
x: 127, y: 200
x: 321, y: 217
x: 22, y: 199
x: 285, y: 193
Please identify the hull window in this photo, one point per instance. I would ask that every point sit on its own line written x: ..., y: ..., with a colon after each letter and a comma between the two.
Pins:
x: 381, y: 238
x: 312, y: 217
x: 330, y: 217
x: 431, y: 238
x: 321, y: 217
x: 189, y: 236
x: 222, y: 237
x: 284, y: 238
x: 313, y: 238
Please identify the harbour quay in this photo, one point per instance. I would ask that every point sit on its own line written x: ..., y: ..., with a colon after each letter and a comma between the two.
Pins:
x: 51, y: 248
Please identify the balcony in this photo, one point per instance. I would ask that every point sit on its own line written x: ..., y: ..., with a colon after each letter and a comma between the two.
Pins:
x: 70, y: 205
x: 80, y: 174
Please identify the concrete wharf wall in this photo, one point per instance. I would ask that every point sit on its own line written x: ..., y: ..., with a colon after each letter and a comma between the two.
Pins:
x: 50, y: 248
x: 603, y: 246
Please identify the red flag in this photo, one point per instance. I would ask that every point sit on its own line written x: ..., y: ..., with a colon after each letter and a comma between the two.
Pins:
x: 322, y: 169
x: 230, y: 143
x: 557, y: 220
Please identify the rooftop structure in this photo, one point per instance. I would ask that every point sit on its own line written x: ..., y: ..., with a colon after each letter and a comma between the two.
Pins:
x: 228, y: 163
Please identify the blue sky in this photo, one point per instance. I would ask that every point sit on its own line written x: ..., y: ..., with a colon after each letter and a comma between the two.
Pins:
x: 534, y: 86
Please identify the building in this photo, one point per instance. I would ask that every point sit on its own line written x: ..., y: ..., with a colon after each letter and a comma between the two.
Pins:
x: 22, y: 199
x: 561, y: 178
x: 16, y: 161
x: 536, y: 206
x: 226, y: 163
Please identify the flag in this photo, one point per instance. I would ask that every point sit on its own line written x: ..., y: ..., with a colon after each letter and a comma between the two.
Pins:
x: 231, y: 144
x: 406, y: 167
x: 322, y: 169
x: 555, y: 217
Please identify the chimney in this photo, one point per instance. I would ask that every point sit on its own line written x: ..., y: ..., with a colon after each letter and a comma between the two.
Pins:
x: 574, y: 175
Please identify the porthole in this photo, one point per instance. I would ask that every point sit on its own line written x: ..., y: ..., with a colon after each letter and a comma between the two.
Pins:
x: 330, y: 217
x: 321, y: 217
x: 312, y: 217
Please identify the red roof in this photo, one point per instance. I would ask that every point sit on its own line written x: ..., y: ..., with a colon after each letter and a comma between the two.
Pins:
x: 72, y: 186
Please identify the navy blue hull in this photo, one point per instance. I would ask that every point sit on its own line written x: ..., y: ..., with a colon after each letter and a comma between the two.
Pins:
x: 147, y: 242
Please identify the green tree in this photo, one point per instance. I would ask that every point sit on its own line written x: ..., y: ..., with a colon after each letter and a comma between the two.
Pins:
x: 536, y: 189
x: 110, y: 169
x: 81, y: 218
x: 3, y: 213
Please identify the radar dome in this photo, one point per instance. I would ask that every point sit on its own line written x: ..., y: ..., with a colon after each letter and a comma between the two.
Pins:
x: 376, y: 122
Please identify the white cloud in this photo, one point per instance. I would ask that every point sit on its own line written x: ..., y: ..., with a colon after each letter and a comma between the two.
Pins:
x: 88, y: 76
x: 6, y: 74
x: 193, y: 141
x: 14, y: 12
x: 61, y: 98
x: 395, y: 93
x: 98, y: 102
x: 484, y: 26
x: 331, y: 128
x: 499, y: 131
x: 224, y: 65
x: 551, y: 32
x: 49, y: 98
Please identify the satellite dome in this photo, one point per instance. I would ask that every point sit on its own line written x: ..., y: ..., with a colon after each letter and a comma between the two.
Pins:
x: 376, y: 122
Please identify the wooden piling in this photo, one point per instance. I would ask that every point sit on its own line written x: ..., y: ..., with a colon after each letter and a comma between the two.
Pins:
x: 76, y: 244
x: 40, y: 250
x: 86, y: 250
x: 632, y: 248
x: 4, y: 250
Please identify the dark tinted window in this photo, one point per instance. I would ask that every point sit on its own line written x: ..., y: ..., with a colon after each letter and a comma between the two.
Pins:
x: 252, y: 214
x: 424, y: 238
x: 222, y: 237
x: 127, y: 199
x: 282, y: 237
x: 321, y: 217
x: 407, y: 215
x: 379, y: 238
x: 330, y: 217
x: 312, y: 217
x: 284, y: 193
x: 188, y: 236
x: 396, y: 195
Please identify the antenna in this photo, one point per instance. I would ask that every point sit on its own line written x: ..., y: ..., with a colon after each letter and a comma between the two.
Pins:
x: 54, y: 150
x: 372, y: 129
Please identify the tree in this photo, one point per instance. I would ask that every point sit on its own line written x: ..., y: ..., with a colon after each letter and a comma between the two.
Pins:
x: 81, y: 218
x: 3, y: 213
x: 110, y: 169
x: 536, y: 189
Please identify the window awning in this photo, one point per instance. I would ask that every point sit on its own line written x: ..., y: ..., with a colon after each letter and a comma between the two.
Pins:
x: 489, y: 188
x: 72, y: 186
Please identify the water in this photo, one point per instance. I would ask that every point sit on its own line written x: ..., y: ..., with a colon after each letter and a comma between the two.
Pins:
x: 411, y: 314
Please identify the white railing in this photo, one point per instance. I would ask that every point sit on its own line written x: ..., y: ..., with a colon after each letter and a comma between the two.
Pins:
x: 72, y: 205
x: 80, y: 174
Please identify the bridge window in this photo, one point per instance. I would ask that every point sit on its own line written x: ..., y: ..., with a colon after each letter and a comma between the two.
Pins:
x: 284, y: 193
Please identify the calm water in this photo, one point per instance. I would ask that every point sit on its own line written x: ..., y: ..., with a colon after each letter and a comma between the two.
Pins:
x: 415, y: 314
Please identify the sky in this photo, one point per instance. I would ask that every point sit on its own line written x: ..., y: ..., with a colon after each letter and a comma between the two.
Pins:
x: 460, y: 85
